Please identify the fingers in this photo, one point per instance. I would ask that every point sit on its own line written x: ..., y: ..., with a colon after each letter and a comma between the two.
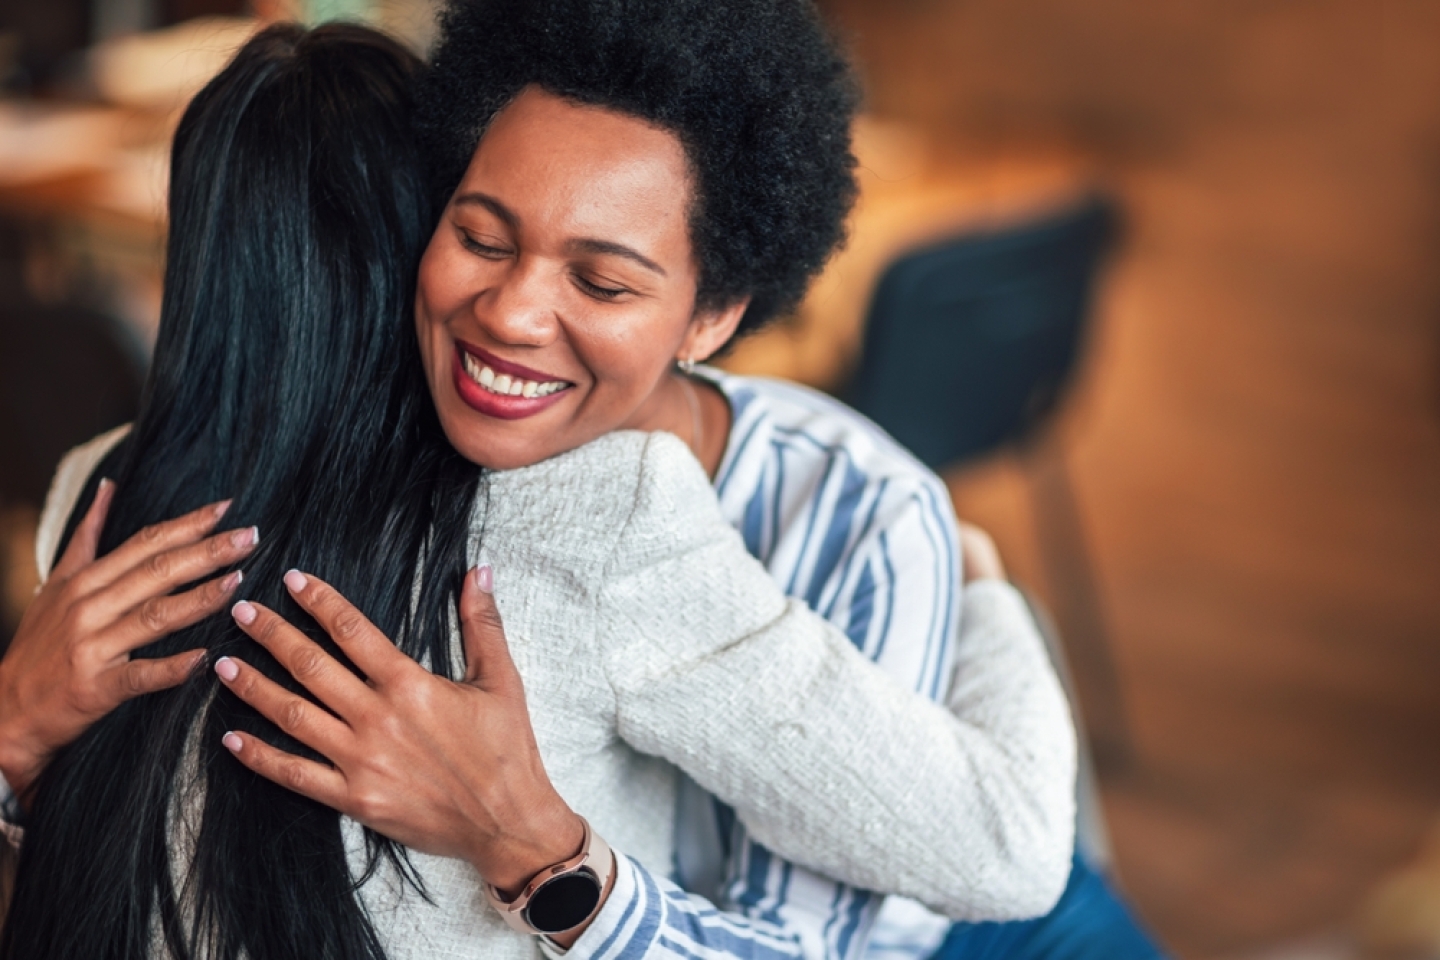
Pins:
x: 981, y: 558
x: 86, y: 539
x: 293, y: 714
x: 162, y: 615
x: 139, y: 677
x: 306, y: 777
x: 147, y: 583
x: 487, y: 652
x: 307, y: 662
x: 147, y: 543
x: 363, y: 643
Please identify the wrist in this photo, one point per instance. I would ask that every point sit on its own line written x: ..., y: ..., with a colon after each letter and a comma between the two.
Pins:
x: 544, y: 835
x: 562, y: 899
x: 18, y: 763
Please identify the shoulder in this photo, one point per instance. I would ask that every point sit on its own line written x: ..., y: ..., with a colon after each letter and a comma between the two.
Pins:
x: 582, y: 494
x: 607, y: 475
x: 802, y: 464
x: 673, y: 509
x: 618, y: 492
x: 70, y: 479
x: 813, y: 431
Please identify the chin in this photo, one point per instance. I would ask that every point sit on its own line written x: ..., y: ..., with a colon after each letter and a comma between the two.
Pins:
x: 490, y: 452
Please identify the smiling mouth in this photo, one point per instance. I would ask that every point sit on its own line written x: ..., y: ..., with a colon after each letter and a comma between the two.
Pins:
x: 504, y: 384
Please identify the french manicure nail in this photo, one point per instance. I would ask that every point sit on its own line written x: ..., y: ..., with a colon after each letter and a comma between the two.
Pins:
x: 485, y: 578
x: 295, y: 580
x: 227, y: 669
x: 243, y: 612
x: 232, y: 581
x: 232, y: 742
x: 105, y: 484
x: 246, y: 538
x: 221, y: 507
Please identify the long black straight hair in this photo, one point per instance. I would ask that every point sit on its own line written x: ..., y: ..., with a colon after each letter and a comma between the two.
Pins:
x: 287, y: 376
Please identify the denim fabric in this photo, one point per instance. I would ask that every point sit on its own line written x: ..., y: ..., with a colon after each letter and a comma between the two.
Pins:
x: 1089, y: 923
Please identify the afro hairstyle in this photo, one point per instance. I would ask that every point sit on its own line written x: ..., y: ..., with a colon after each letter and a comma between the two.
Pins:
x: 757, y: 92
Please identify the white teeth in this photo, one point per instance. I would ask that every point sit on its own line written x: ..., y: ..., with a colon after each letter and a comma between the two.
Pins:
x: 506, y: 385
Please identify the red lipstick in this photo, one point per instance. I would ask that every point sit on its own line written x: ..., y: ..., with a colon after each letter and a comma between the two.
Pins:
x: 505, y: 366
x: 490, y: 404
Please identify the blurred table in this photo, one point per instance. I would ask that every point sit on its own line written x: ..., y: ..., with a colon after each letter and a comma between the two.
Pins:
x: 913, y: 191
x: 83, y: 185
x: 82, y: 198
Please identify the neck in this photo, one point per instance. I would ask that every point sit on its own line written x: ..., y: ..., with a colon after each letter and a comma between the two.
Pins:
x: 696, y: 412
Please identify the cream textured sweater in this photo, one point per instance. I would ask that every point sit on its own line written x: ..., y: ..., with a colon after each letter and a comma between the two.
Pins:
x: 648, y: 637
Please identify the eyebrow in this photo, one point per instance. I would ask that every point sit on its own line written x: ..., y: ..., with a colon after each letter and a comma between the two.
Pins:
x: 590, y: 245
x: 491, y: 204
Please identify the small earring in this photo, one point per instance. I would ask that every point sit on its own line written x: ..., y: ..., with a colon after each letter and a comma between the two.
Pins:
x: 687, y: 366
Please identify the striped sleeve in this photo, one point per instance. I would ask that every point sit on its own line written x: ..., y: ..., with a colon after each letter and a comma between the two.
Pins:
x: 649, y: 917
x: 10, y: 828
x: 894, y: 590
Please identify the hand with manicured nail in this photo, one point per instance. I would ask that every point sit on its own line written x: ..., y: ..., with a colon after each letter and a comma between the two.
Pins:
x: 448, y: 768
x: 70, y: 662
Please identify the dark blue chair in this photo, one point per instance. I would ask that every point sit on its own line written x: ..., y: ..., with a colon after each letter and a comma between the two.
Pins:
x: 969, y: 346
x: 970, y: 343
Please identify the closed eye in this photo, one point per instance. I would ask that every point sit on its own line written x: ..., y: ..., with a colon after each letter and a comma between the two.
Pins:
x: 482, y: 249
x: 597, y: 291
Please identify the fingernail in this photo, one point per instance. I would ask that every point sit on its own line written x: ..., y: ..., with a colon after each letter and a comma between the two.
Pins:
x: 246, y: 538
x: 232, y: 581
x: 105, y: 484
x: 295, y: 580
x: 485, y: 578
x: 227, y: 669
x: 221, y: 507
x: 232, y: 742
x: 243, y: 613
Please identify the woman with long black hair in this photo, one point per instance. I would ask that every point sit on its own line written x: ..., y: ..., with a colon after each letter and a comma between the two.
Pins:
x: 285, y: 382
x: 287, y: 378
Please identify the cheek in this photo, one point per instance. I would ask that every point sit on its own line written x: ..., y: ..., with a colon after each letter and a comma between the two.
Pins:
x: 431, y: 287
x: 628, y: 355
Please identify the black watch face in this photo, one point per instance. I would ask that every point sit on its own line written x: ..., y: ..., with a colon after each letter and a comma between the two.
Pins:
x: 564, y: 902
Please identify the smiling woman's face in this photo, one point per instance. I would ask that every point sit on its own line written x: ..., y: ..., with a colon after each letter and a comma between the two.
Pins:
x: 560, y: 285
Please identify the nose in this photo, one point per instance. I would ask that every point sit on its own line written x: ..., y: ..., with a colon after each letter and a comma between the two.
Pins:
x: 520, y: 308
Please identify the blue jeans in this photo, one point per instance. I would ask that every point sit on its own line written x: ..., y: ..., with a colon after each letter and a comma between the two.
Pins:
x: 1089, y: 923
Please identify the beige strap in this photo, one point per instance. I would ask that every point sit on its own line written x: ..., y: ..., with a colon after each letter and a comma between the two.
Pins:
x: 65, y: 490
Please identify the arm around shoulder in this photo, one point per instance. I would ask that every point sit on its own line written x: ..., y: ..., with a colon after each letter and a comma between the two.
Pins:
x: 828, y: 761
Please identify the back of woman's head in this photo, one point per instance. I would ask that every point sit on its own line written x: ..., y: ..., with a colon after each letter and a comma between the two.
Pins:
x: 286, y: 376
x: 297, y: 215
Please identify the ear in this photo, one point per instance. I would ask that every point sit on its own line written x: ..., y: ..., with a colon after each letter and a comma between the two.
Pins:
x: 709, y: 330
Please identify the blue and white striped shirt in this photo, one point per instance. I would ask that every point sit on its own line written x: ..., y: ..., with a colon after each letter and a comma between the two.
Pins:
x: 851, y: 523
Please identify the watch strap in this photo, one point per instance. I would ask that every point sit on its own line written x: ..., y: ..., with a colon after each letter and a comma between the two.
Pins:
x: 594, y: 858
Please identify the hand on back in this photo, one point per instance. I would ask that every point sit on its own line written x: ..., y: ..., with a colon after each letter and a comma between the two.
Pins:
x: 446, y: 767
x: 981, y: 558
x: 70, y: 661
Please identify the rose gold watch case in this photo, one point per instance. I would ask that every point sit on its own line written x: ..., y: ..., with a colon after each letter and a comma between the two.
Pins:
x: 595, y: 858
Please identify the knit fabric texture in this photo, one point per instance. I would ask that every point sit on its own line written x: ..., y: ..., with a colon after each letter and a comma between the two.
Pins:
x: 649, y: 639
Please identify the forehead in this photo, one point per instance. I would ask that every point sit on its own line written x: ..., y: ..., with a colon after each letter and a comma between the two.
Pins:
x: 580, y: 169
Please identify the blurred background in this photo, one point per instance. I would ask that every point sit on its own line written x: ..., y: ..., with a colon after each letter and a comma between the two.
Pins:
x: 1152, y: 283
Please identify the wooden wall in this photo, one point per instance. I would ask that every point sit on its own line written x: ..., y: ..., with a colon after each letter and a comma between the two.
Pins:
x: 1256, y: 443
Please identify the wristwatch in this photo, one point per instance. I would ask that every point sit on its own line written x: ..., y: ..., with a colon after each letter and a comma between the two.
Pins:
x: 562, y: 896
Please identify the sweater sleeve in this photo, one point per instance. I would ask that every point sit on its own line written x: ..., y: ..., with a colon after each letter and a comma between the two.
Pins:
x: 829, y: 762
x: 648, y: 917
x: 65, y: 488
